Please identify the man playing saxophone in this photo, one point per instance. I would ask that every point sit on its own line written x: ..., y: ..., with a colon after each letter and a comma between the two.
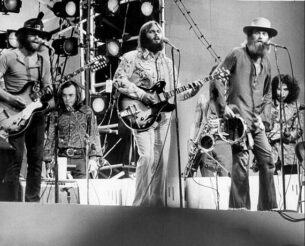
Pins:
x: 205, y: 147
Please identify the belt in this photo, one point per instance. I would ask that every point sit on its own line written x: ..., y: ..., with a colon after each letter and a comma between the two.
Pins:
x: 71, y: 152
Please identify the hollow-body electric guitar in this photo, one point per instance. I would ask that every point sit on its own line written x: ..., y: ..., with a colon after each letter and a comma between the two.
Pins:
x: 139, y: 116
x: 15, y: 121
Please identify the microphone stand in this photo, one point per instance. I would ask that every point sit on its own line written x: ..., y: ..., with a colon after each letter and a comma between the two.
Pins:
x: 281, y: 129
x: 55, y: 131
x: 177, y: 128
x: 87, y: 145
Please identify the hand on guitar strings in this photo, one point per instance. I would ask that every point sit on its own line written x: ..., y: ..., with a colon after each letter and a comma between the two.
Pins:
x: 149, y: 99
x: 17, y: 102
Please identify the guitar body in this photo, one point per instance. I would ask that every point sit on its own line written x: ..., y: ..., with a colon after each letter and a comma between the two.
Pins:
x: 139, y: 116
x: 14, y: 120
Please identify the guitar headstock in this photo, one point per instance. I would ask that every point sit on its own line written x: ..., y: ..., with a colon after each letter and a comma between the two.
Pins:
x: 221, y: 74
x: 97, y: 63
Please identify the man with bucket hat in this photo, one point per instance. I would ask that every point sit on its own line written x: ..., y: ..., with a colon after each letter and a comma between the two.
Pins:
x: 20, y: 68
x: 249, y: 88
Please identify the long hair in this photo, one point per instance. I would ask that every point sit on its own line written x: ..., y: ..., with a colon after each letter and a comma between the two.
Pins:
x: 143, y: 40
x: 78, y: 101
x: 292, y: 85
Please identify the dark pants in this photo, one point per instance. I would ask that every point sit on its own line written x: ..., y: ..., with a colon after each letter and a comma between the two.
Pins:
x: 239, y: 194
x: 33, y: 139
x: 79, y: 172
x: 8, y: 192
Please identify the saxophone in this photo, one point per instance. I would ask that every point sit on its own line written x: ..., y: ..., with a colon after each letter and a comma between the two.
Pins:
x: 204, y: 142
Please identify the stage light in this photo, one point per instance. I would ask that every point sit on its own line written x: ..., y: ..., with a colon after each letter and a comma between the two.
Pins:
x: 147, y: 8
x: 66, y: 46
x: 66, y: 8
x: 113, y: 5
x: 109, y: 7
x: 10, y: 6
x: 99, y: 103
x: 8, y: 39
x: 113, y: 48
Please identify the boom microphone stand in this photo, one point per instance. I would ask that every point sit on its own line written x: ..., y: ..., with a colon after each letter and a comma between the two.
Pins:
x: 281, y: 129
x: 177, y: 122
x: 54, y: 87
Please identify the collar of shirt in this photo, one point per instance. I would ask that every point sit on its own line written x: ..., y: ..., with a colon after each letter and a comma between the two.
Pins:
x: 146, y: 54
x: 21, y: 59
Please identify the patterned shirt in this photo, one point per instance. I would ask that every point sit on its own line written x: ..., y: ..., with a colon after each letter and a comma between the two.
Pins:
x: 72, y: 131
x: 141, y: 68
x: 289, y: 116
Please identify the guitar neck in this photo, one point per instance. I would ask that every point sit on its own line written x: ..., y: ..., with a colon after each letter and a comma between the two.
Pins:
x: 192, y: 85
x: 71, y: 75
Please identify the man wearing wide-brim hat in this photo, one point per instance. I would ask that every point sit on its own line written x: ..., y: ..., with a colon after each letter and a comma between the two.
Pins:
x: 22, y: 69
x: 249, y: 88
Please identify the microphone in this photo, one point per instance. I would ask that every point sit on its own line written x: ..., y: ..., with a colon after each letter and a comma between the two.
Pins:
x: 45, y: 44
x: 166, y: 40
x: 275, y: 45
x: 302, y: 107
x: 65, y: 189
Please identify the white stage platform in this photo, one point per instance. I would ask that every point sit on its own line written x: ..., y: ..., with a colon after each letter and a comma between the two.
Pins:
x: 197, y: 192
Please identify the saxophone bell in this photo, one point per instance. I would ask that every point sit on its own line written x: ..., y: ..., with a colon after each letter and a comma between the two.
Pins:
x: 206, y: 143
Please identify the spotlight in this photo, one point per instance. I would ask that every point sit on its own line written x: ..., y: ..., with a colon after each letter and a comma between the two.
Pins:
x: 66, y: 8
x: 113, y: 48
x: 10, y: 6
x: 66, y: 46
x: 8, y: 40
x: 99, y: 103
x: 113, y: 5
x: 108, y: 7
x: 147, y: 8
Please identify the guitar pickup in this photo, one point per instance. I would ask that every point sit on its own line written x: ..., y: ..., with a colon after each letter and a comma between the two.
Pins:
x: 131, y: 110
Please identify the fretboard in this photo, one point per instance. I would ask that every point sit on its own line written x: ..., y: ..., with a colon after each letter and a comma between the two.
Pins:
x: 192, y: 85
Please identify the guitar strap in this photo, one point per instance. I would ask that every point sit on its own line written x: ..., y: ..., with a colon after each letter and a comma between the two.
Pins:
x: 40, y: 70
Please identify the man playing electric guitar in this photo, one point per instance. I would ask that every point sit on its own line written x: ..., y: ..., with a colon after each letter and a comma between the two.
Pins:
x: 19, y: 67
x: 144, y: 67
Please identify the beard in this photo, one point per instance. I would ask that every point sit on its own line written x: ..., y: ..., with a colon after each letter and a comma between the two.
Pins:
x: 32, y: 47
x: 153, y: 46
x: 257, y: 49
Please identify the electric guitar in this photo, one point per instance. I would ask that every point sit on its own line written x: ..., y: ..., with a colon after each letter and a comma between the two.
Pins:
x: 15, y: 121
x: 139, y: 116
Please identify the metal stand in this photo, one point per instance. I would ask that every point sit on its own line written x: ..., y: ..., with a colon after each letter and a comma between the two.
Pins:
x: 300, y: 153
x: 177, y: 130
x: 281, y: 129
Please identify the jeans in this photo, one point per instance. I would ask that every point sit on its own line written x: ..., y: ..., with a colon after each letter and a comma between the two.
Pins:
x: 151, y: 168
x: 239, y: 194
x: 33, y: 139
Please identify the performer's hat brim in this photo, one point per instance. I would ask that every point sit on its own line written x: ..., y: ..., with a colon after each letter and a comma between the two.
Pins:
x: 261, y: 23
x: 34, y: 26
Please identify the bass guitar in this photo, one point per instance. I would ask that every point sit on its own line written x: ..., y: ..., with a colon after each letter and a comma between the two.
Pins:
x: 139, y: 116
x: 14, y: 121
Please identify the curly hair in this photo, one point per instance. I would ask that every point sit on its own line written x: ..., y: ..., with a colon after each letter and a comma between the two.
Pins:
x: 78, y: 102
x: 292, y: 85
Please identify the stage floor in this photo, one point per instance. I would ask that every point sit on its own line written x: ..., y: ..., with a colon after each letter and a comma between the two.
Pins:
x: 197, y: 192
